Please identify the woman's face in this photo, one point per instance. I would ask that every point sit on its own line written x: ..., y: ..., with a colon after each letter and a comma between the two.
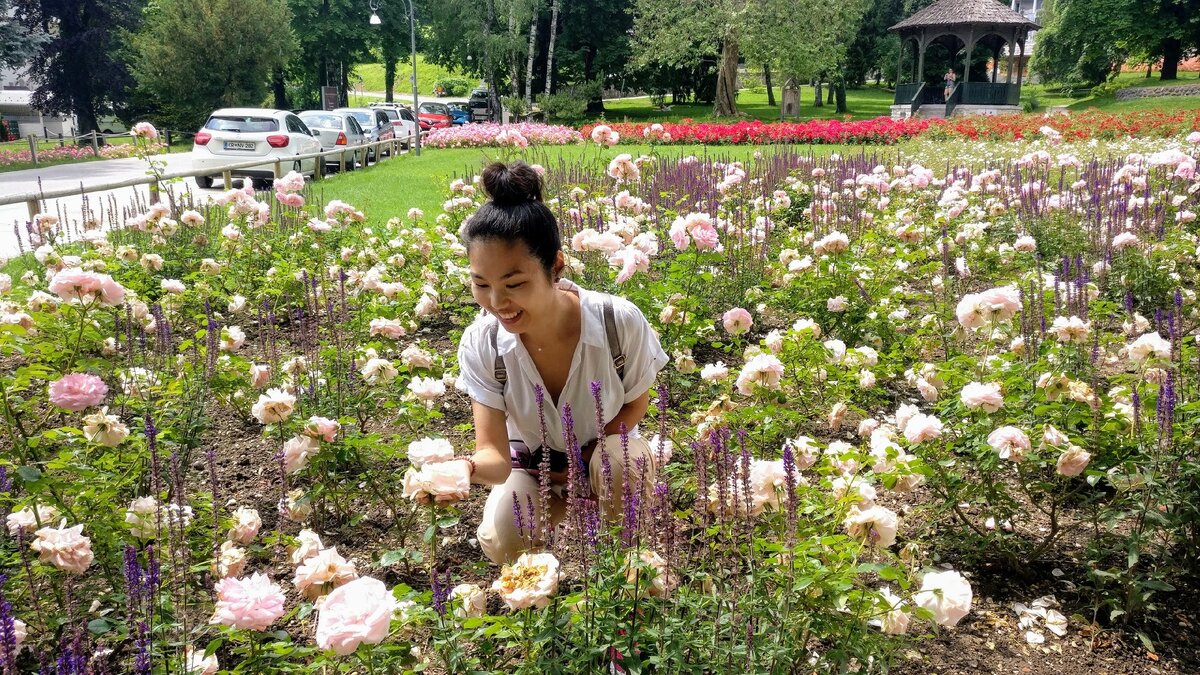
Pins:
x: 510, y: 283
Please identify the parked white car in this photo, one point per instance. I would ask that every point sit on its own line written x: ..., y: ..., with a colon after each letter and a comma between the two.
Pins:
x: 404, y: 121
x: 234, y: 135
x: 337, y: 130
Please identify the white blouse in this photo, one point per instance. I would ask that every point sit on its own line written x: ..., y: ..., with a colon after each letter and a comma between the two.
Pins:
x: 644, y: 357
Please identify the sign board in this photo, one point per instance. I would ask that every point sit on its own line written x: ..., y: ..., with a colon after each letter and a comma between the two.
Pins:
x: 329, y: 98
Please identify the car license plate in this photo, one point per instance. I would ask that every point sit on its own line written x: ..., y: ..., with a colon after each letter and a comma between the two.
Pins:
x: 240, y: 145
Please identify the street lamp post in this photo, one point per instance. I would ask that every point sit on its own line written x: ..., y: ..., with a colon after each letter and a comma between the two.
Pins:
x: 412, y: 38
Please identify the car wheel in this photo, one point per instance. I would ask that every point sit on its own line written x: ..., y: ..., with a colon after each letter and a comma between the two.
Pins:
x: 352, y: 162
x: 204, y: 182
x: 261, y: 183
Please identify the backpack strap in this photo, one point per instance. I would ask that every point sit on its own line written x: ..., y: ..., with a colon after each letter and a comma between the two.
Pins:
x: 498, y: 369
x: 614, y: 342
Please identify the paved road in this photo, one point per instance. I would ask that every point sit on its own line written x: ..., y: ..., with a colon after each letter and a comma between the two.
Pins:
x: 65, y: 176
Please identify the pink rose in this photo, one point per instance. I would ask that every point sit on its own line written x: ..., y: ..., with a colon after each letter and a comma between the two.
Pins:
x: 297, y: 451
x: 323, y: 428
x: 389, y: 328
x: 946, y: 594
x: 260, y: 375
x: 77, y: 284
x: 1073, y: 461
x: 679, y: 235
x: 764, y: 370
x: 528, y: 582
x: 921, y: 427
x: 985, y: 396
x: 705, y: 236
x: 1009, y: 442
x: 64, y: 547
x: 77, y: 391
x: 430, y: 451
x: 275, y: 405
x: 323, y: 572
x: 355, y: 613
x: 246, y: 523
x: 439, y: 479
x: 875, y: 525
x: 737, y: 321
x: 253, y: 603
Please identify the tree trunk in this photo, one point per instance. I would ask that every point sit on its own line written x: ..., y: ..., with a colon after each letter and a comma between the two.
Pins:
x: 1171, y: 50
x: 277, y: 85
x: 550, y: 49
x: 389, y: 80
x: 1149, y: 70
x: 514, y: 61
x: 726, y: 99
x: 767, y: 79
x: 840, y: 98
x: 490, y: 62
x: 818, y: 100
x: 829, y: 92
x: 533, y: 32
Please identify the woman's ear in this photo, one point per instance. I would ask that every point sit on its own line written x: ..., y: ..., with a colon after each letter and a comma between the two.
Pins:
x: 560, y: 263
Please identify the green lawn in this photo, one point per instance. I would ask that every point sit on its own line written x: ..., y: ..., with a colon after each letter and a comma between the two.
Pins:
x: 1054, y: 94
x: 392, y: 187
x: 371, y: 76
x: 865, y: 103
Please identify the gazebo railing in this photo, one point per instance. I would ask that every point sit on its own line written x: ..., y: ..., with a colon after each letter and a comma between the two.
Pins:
x: 955, y: 97
x: 906, y: 92
x: 990, y: 93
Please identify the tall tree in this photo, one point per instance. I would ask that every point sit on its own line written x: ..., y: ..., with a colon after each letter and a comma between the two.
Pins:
x: 555, y: 6
x: 680, y: 33
x: 871, y: 41
x: 194, y: 56
x: 79, y: 71
x: 595, y: 44
x: 1083, y: 41
x: 332, y: 37
x: 18, y: 43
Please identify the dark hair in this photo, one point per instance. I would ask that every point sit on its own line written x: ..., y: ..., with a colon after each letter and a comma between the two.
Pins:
x: 515, y: 213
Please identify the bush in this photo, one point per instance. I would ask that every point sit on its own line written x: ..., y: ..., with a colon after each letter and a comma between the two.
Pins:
x: 452, y: 86
x: 563, y: 106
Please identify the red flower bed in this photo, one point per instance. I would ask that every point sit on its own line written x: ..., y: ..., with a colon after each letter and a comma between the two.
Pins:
x: 883, y: 130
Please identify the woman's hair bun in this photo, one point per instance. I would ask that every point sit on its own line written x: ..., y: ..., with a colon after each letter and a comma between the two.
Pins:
x: 512, y: 183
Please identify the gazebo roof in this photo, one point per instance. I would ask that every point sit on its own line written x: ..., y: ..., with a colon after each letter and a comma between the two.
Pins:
x: 965, y: 12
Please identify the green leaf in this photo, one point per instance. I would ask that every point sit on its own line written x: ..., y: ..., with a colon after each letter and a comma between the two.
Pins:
x: 99, y: 626
x: 392, y: 557
x: 30, y: 474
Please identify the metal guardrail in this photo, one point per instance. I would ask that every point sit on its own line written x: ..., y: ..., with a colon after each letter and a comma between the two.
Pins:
x: 33, y: 200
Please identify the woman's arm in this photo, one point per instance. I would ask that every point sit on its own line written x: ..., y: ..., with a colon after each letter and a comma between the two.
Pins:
x: 492, y: 460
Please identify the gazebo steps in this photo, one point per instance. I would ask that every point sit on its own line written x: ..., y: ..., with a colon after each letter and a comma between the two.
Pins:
x: 938, y: 110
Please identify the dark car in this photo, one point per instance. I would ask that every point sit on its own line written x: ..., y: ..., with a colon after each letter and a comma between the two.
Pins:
x: 480, y: 105
x: 460, y: 112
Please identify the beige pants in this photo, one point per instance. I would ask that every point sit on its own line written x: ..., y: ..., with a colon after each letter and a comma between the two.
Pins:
x: 498, y: 534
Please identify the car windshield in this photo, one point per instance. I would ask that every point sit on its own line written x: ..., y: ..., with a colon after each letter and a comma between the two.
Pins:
x: 461, y: 107
x: 322, y: 120
x: 434, y: 109
x: 242, y: 124
x: 364, y: 118
x: 391, y: 113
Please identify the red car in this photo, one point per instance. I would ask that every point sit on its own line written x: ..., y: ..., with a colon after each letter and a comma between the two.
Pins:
x: 434, y: 116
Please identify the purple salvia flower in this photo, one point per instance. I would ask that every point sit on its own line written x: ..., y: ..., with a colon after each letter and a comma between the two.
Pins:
x: 518, y: 518
x: 8, y: 631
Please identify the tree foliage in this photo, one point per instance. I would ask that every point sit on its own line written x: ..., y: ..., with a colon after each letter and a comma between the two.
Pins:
x: 18, y: 43
x: 81, y: 70
x: 1083, y: 41
x: 332, y: 36
x: 191, y: 57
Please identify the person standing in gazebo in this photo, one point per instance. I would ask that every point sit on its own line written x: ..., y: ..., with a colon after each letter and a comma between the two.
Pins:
x: 948, y: 84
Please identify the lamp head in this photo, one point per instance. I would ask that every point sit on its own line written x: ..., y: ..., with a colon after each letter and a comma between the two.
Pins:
x: 375, y: 20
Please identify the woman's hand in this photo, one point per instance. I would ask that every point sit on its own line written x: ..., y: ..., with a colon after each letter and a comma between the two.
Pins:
x: 426, y: 499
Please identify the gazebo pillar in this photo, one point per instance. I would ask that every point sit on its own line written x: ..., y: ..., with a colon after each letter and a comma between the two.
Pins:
x: 1011, y: 43
x: 920, y: 77
x: 995, y: 62
x: 970, y: 46
x: 900, y: 63
x: 1020, y: 62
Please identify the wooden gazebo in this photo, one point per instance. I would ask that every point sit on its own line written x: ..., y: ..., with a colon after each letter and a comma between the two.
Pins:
x: 969, y: 23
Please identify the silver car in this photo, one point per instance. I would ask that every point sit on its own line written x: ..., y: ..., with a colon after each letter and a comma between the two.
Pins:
x: 375, y: 124
x: 337, y: 130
